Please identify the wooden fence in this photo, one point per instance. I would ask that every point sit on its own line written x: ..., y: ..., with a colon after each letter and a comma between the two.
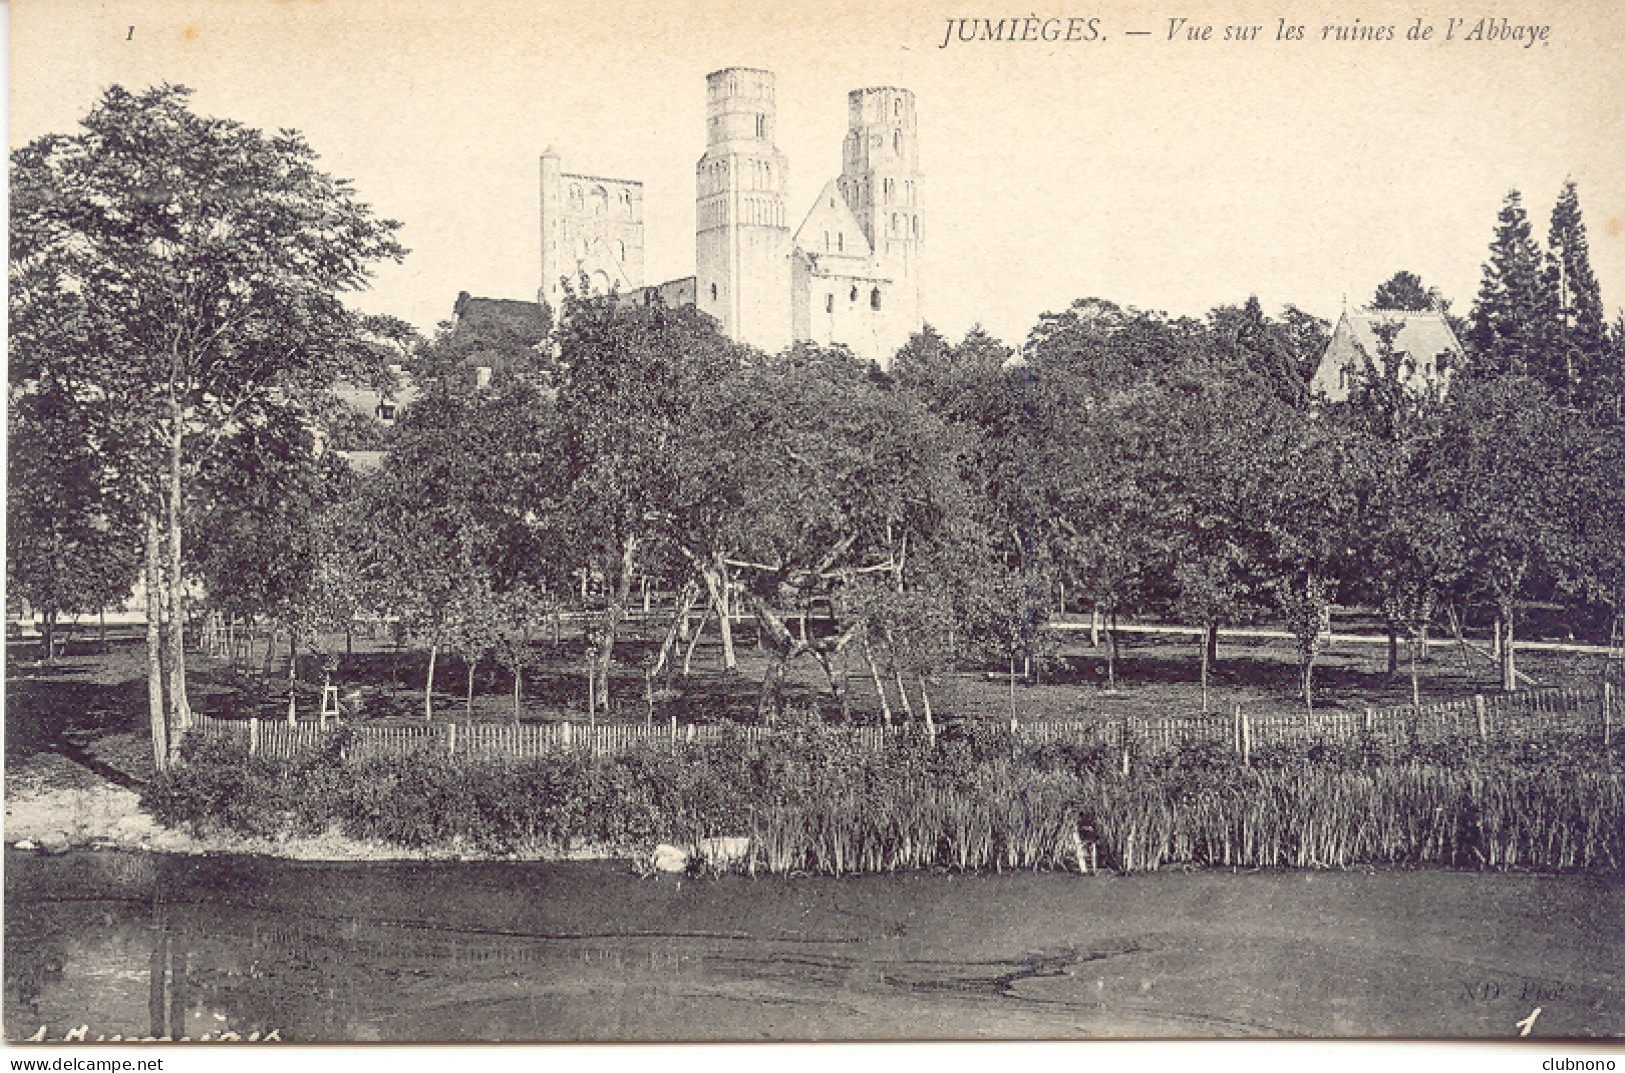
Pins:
x: 1535, y: 715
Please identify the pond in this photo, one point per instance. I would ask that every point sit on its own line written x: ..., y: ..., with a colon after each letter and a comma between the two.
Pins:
x: 138, y: 945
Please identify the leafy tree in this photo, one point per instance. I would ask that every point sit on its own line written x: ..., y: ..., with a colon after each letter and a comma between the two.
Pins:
x: 73, y: 540
x: 1505, y: 465
x: 204, y: 261
x: 460, y: 514
x: 1405, y: 291
x: 631, y: 378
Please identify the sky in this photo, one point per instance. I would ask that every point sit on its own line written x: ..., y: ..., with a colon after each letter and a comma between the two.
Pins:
x: 1166, y: 174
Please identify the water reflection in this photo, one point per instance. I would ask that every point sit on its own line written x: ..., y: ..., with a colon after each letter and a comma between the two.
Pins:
x: 153, y: 946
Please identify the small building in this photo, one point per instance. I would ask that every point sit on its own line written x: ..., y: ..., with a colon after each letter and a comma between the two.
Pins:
x: 1423, y: 343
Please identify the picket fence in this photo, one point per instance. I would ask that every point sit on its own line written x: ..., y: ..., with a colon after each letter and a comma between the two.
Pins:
x: 1535, y: 715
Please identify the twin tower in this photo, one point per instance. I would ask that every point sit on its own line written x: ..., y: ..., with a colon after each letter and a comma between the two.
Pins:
x: 849, y: 274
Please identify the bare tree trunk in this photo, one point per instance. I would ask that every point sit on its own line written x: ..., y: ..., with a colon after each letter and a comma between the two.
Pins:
x: 719, y: 587
x: 614, y: 615
x: 1309, y: 681
x: 156, y: 709
x: 1416, y: 684
x: 1393, y: 649
x: 293, y: 669
x: 1111, y: 653
x: 668, y: 644
x: 908, y: 705
x: 767, y: 701
x: 1213, y: 644
x: 428, y: 685
x: 1202, y: 641
x: 518, y: 685
x: 468, y: 700
x: 925, y: 705
x: 874, y: 673
x: 837, y: 679
x: 177, y: 618
x: 1509, y: 669
x: 694, y: 639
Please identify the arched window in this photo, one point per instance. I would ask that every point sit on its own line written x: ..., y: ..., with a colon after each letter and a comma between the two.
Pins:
x: 761, y: 126
x: 829, y: 303
x: 713, y: 292
x: 853, y: 297
x: 620, y: 251
x: 897, y: 142
x: 897, y: 107
x: 840, y: 241
x: 600, y: 201
x: 874, y: 298
x: 575, y: 197
x: 916, y: 225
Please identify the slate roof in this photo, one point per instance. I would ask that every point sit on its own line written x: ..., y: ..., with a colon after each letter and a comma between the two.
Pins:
x: 1423, y: 337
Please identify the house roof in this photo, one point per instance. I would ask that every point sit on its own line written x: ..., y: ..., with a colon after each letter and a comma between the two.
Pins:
x: 525, y: 318
x: 1425, y: 338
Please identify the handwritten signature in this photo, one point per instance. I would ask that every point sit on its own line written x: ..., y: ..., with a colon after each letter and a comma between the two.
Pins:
x: 82, y: 1035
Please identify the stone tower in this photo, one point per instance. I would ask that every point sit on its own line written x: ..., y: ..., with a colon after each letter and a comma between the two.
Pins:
x: 742, y: 242
x: 880, y: 182
x: 592, y: 229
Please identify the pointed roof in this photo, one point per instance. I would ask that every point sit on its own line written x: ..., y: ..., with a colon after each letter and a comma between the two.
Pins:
x: 1424, y: 337
x: 830, y: 229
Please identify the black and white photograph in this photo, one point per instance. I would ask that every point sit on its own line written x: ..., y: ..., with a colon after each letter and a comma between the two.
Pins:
x: 702, y: 523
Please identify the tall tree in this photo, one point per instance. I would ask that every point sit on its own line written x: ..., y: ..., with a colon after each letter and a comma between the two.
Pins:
x: 630, y: 380
x: 1511, y: 326
x: 1584, y: 360
x: 205, y: 260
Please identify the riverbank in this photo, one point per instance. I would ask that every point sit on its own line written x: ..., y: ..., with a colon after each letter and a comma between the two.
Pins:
x: 103, y: 816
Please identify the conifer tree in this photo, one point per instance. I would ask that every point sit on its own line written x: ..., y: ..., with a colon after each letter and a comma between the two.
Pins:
x: 1583, y: 356
x: 1512, y: 319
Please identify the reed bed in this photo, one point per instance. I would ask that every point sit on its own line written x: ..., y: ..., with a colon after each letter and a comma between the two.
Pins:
x: 820, y: 804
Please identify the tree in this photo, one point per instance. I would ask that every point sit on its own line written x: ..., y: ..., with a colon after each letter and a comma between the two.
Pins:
x: 1587, y: 364
x: 1511, y: 325
x: 631, y: 378
x: 1504, y: 464
x: 462, y: 513
x: 1404, y: 291
x: 73, y: 541
x: 205, y: 261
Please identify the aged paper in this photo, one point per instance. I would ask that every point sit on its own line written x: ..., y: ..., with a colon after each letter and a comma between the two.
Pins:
x: 1165, y: 157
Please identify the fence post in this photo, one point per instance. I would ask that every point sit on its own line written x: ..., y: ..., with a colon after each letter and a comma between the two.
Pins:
x: 1479, y: 714
x: 565, y: 736
x: 451, y: 739
x: 1235, y: 729
x: 254, y: 735
x: 1246, y: 739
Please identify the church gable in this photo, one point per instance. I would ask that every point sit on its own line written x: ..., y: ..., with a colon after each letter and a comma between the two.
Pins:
x: 830, y: 229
